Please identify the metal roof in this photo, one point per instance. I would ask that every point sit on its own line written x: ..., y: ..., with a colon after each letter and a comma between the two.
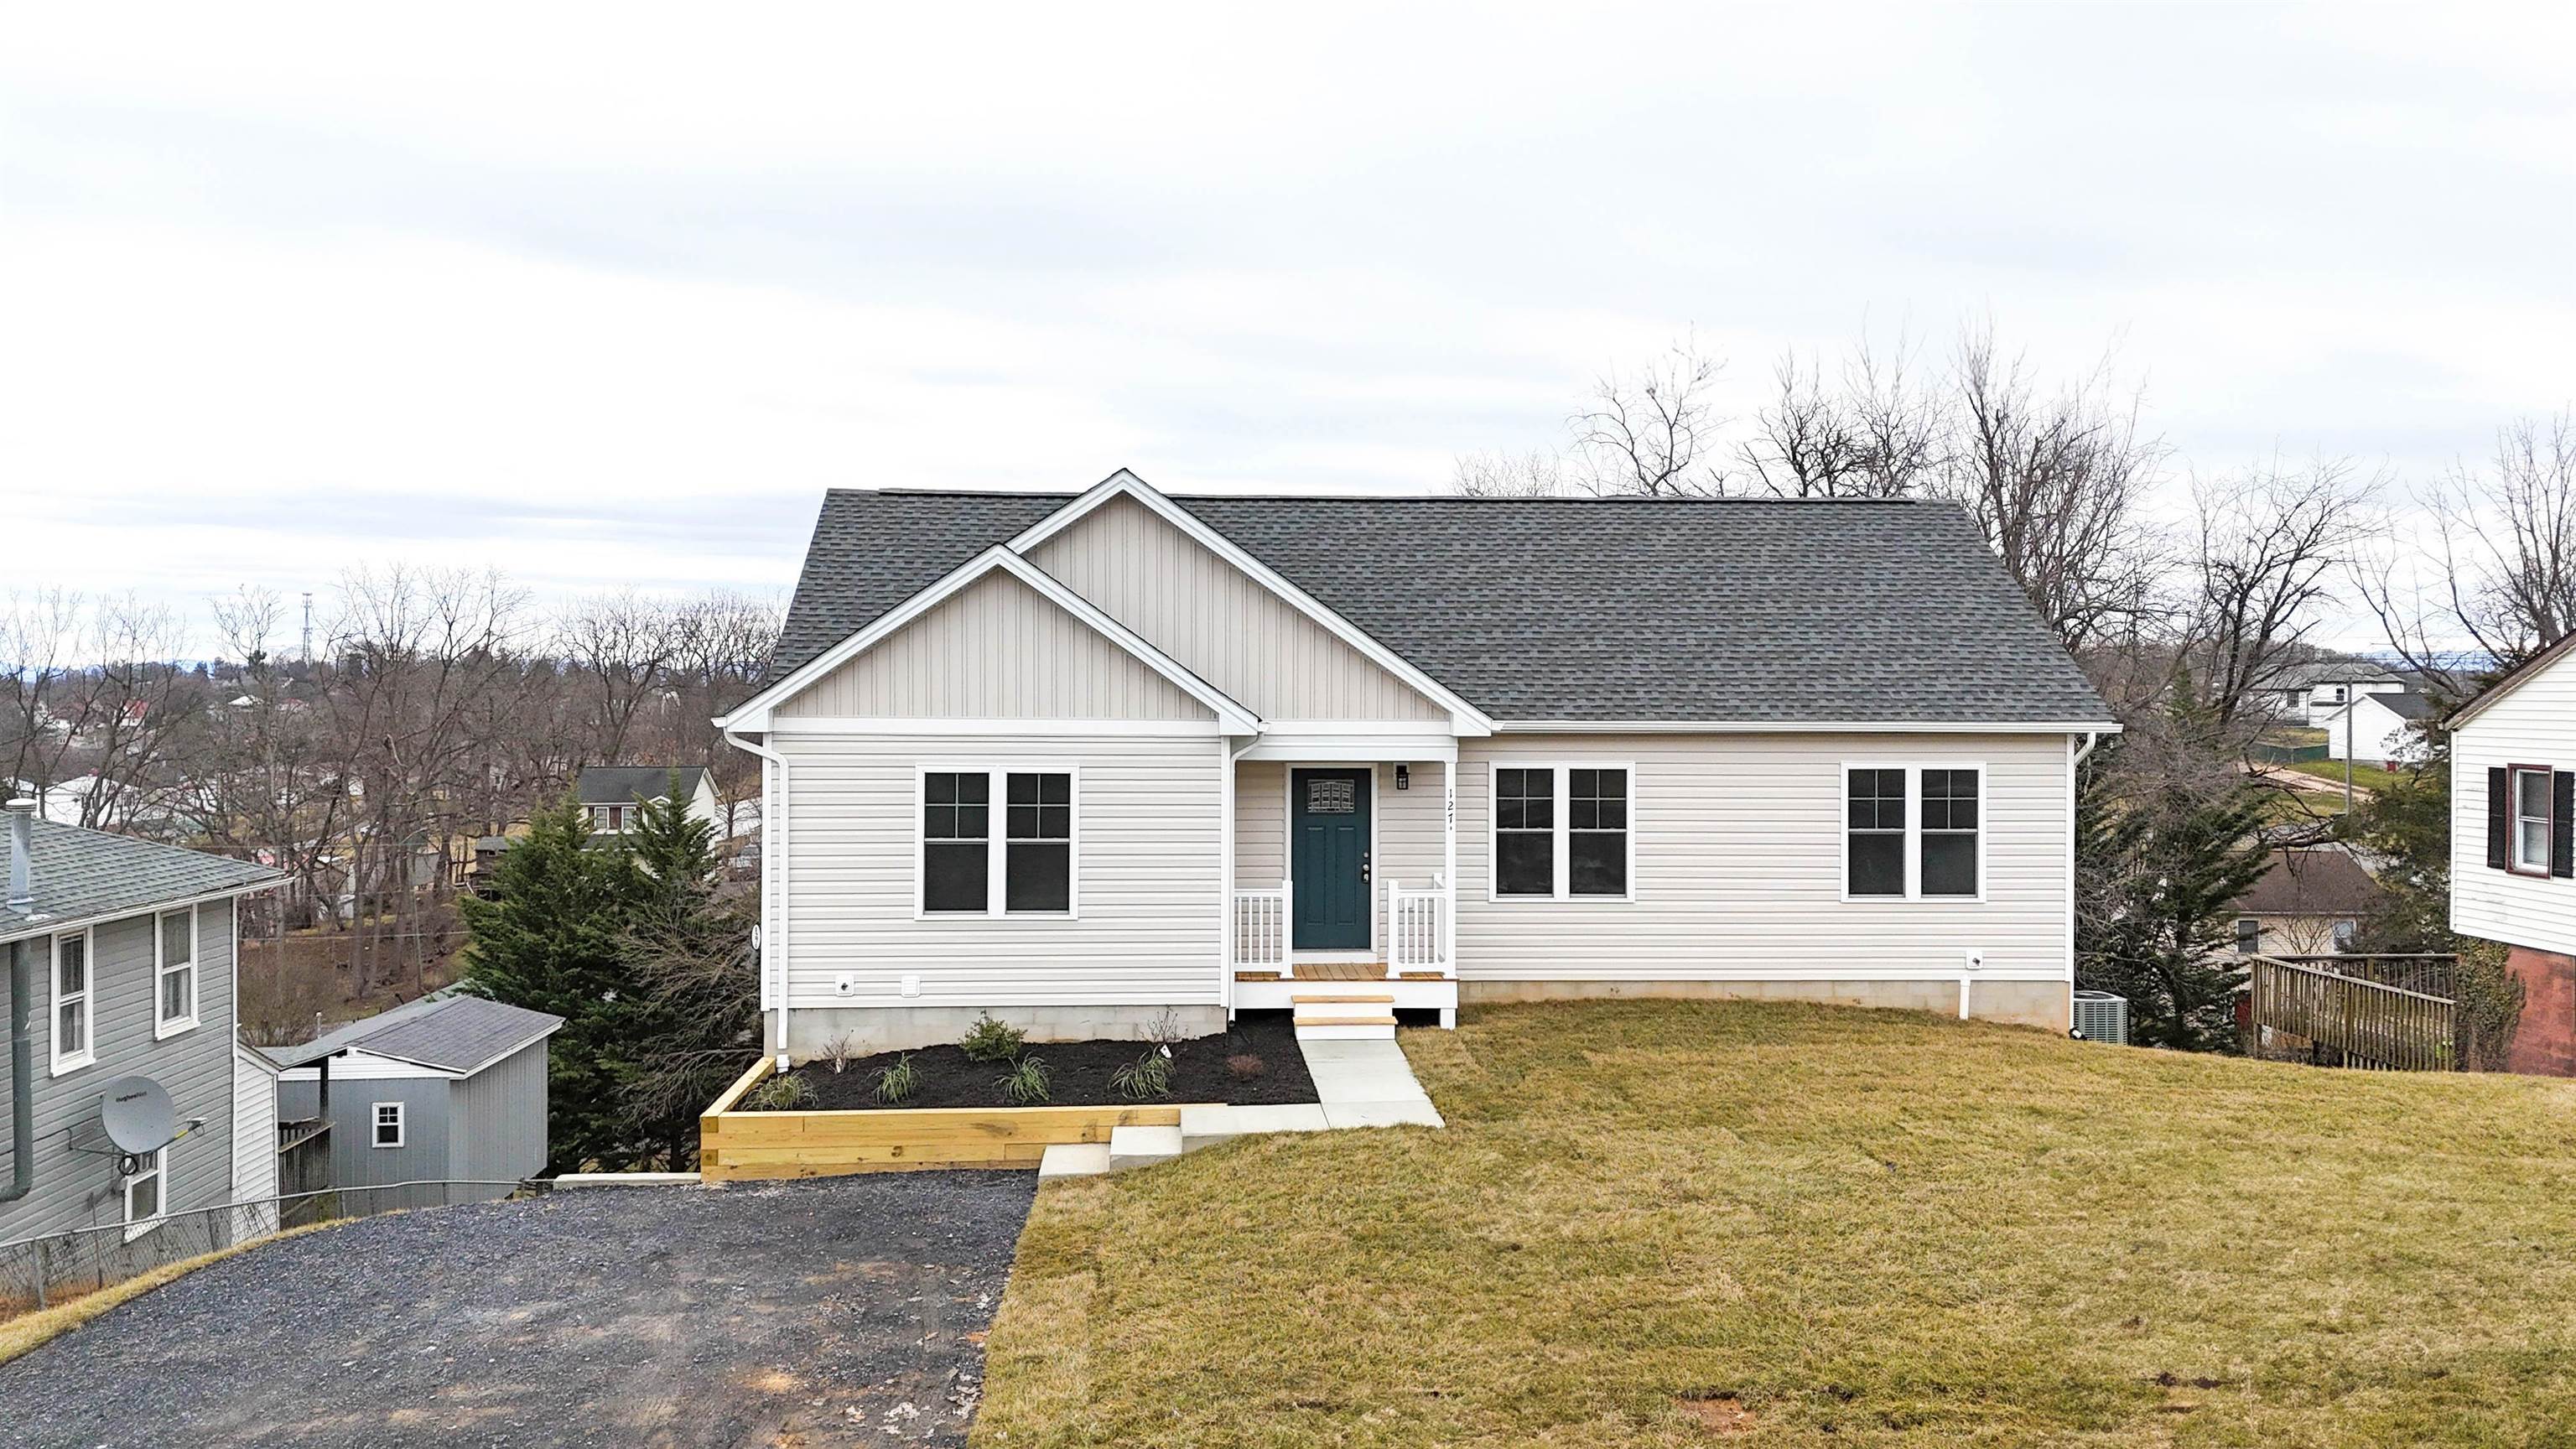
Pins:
x: 1732, y: 611
x: 450, y: 1031
x: 87, y: 875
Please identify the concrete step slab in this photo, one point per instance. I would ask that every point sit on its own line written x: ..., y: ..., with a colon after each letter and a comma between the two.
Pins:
x: 1139, y: 1146
x: 1073, y: 1159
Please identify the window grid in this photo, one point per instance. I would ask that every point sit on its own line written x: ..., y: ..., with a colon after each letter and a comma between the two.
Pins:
x: 72, y: 1002
x: 1525, y: 832
x: 2531, y: 820
x: 143, y: 1193
x: 175, y: 936
x: 388, y: 1124
x: 1563, y: 832
x: 1913, y: 832
x: 972, y: 864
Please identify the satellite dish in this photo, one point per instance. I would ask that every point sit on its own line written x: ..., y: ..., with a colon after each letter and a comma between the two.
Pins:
x: 137, y: 1116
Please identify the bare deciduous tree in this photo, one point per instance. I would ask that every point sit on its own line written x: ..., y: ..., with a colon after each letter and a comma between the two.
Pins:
x: 1877, y: 434
x: 1652, y: 433
x: 2272, y: 539
x: 1537, y: 473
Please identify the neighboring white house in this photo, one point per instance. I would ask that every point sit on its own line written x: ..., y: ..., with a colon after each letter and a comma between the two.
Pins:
x: 2513, y: 843
x: 1081, y: 760
x: 2385, y: 728
x: 2306, y: 693
x: 611, y: 794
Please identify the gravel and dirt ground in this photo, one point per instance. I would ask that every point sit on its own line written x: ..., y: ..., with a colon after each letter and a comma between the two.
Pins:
x: 807, y: 1314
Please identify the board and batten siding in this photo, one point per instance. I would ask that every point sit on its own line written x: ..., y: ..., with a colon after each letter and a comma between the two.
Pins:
x: 1148, y: 880
x: 254, y: 1143
x: 2534, y: 724
x: 78, y: 1189
x: 996, y: 649
x: 1221, y: 623
x: 1739, y: 856
x: 500, y: 1115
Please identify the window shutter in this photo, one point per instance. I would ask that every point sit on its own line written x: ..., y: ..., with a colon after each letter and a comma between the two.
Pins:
x: 2499, y: 804
x: 2562, y: 824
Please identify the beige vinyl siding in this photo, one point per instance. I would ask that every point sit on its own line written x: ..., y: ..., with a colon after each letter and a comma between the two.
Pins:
x: 2535, y: 724
x: 1148, y: 879
x: 1739, y: 865
x: 1260, y: 824
x: 1406, y: 822
x: 1222, y: 624
x: 996, y: 649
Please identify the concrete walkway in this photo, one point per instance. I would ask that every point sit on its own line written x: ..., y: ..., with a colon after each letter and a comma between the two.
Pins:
x: 1358, y: 1084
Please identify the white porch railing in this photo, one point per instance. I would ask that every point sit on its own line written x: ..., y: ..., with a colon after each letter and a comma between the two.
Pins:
x: 1417, y: 936
x: 1260, y: 934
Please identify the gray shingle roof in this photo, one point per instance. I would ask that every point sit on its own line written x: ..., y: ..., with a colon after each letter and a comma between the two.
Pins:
x: 626, y: 784
x: 86, y: 874
x: 2404, y: 706
x: 454, y: 1032
x: 1737, y: 610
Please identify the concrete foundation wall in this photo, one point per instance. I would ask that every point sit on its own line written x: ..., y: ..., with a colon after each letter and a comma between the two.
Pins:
x: 2544, y: 1040
x: 2048, y: 1004
x: 902, y: 1028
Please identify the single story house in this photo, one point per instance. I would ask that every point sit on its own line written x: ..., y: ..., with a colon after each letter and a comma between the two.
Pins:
x: 1085, y: 760
x: 611, y: 794
x: 2513, y: 843
x: 2310, y: 901
x: 126, y: 1100
x: 2386, y: 729
x: 449, y: 1088
x: 2306, y: 692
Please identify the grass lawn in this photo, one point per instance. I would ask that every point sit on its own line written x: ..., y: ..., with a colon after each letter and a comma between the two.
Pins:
x: 2367, y: 777
x: 1666, y: 1223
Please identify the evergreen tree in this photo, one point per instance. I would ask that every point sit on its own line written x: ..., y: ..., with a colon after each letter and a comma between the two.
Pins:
x: 695, y: 1020
x: 549, y: 939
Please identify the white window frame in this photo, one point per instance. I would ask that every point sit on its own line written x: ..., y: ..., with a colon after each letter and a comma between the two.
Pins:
x: 158, y: 1174
x: 163, y: 969
x: 64, y: 1062
x: 997, y: 840
x: 2513, y: 859
x: 376, y: 1125
x: 1913, y: 829
x: 1562, y: 822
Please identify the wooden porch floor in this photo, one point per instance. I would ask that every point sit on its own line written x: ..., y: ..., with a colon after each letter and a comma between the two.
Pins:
x: 1336, y: 971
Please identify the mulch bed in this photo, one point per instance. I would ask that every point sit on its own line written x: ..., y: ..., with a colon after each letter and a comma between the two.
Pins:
x: 1079, y: 1072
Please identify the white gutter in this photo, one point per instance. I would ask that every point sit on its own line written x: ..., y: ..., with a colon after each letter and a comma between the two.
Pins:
x: 1797, y: 727
x: 773, y: 868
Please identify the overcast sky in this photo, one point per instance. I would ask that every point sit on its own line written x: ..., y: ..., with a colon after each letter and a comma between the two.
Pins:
x: 613, y: 296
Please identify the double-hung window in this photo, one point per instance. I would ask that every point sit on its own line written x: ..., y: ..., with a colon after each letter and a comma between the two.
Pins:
x: 1019, y: 860
x: 72, y: 1046
x: 2531, y: 820
x: 1913, y: 832
x: 176, y: 942
x: 389, y: 1124
x: 1562, y: 832
x: 143, y: 1193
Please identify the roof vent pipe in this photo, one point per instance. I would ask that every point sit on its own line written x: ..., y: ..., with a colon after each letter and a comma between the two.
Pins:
x: 22, y: 846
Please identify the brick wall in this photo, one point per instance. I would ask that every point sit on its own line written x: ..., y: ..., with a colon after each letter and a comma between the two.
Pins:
x: 2544, y: 1043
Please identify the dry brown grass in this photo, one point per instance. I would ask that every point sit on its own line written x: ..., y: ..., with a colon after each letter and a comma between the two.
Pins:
x: 1844, y: 1227
x: 28, y: 1330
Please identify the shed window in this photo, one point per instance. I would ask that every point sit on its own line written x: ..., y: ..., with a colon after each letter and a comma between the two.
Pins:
x: 1038, y: 867
x: 71, y: 1002
x: 956, y: 841
x: 389, y: 1124
x: 2531, y: 820
x: 143, y: 1194
x: 177, y: 944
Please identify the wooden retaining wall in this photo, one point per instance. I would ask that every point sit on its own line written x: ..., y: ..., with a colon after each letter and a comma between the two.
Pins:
x: 737, y: 1146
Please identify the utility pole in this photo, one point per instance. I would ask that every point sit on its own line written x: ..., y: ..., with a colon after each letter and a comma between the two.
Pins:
x: 2351, y: 700
x: 308, y: 628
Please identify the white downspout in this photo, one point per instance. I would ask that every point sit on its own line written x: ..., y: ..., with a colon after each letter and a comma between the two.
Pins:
x: 773, y: 878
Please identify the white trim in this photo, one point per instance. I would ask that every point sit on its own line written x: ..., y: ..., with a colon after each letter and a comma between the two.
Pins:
x: 63, y: 1064
x: 1401, y: 749
x: 933, y: 727
x: 754, y: 713
x: 376, y: 1125
x: 997, y: 838
x: 774, y: 824
x: 1561, y: 830
x: 1913, y: 847
x: 1796, y: 727
x: 1464, y: 718
x: 163, y: 1028
x: 29, y: 928
x: 159, y: 1175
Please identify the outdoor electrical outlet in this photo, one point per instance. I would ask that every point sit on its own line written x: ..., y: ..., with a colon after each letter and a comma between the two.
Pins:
x: 844, y: 984
x: 1976, y: 960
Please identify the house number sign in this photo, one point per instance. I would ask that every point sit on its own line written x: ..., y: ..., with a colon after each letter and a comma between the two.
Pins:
x: 1331, y: 797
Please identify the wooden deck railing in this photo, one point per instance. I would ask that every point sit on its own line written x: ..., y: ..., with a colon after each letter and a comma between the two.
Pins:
x: 2360, y: 1022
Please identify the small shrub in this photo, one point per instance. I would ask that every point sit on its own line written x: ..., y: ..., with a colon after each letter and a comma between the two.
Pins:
x: 1165, y: 1030
x: 1025, y: 1084
x: 897, y: 1082
x: 1148, y: 1076
x: 839, y: 1053
x: 992, y: 1041
x: 782, y: 1094
x: 1244, y: 1066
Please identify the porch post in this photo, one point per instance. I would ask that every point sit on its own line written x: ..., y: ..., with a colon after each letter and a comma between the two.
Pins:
x: 1449, y: 860
x: 1225, y: 876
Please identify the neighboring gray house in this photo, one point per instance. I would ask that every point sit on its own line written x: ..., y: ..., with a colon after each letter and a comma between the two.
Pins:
x: 1086, y: 760
x: 449, y: 1088
x: 611, y: 793
x: 120, y: 966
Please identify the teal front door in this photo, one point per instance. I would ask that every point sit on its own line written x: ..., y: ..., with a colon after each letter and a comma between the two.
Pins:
x: 1328, y: 858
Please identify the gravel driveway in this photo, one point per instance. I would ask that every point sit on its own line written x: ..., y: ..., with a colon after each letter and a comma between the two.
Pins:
x: 841, y: 1311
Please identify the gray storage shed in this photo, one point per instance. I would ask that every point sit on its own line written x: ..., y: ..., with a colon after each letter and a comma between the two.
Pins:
x: 449, y: 1088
